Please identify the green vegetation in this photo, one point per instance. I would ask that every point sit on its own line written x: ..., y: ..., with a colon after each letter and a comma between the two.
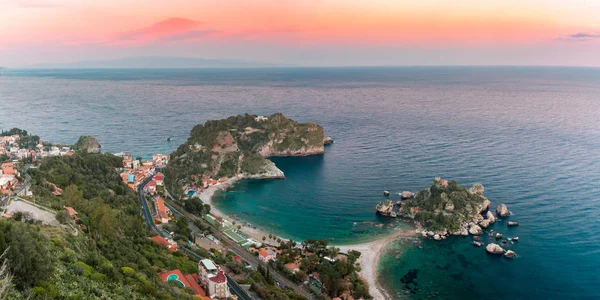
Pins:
x: 336, y: 277
x: 263, y: 284
x: 26, y: 141
x: 239, y: 144
x: 444, y: 207
x: 112, y: 259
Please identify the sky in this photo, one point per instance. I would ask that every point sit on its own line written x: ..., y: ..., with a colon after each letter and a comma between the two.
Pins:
x: 305, y: 32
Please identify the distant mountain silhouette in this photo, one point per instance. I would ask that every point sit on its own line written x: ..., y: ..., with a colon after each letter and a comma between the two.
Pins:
x: 150, y: 62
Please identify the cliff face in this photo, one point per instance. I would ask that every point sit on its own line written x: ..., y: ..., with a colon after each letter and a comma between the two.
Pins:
x: 239, y: 146
x: 289, y: 138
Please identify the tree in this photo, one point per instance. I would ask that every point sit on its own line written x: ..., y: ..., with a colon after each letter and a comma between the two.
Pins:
x: 194, y: 206
x: 73, y: 196
x: 264, y: 238
x: 30, y: 260
x: 182, y: 228
x: 5, y: 276
x: 239, y: 227
x: 102, y: 221
x: 63, y: 217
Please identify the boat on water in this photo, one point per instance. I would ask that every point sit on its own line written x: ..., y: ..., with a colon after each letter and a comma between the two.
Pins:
x: 168, y: 139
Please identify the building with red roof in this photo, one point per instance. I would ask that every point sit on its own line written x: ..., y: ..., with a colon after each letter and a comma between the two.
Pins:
x: 184, y: 280
x: 171, y: 245
x: 213, y: 279
x: 159, y: 179
x: 265, y: 255
x: 161, y: 210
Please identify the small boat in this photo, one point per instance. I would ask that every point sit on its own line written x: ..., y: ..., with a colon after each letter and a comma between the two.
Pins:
x: 168, y: 139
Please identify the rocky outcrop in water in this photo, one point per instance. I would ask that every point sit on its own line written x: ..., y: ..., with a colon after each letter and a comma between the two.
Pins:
x: 512, y: 223
x: 485, y: 205
x: 490, y: 216
x: 407, y: 195
x: 474, y: 229
x: 510, y: 254
x: 327, y: 141
x: 494, y: 249
x: 87, y: 144
x: 477, y: 188
x: 484, y: 223
x: 502, y: 210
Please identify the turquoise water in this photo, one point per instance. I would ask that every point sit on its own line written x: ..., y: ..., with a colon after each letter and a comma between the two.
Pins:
x: 174, y: 277
x: 531, y: 136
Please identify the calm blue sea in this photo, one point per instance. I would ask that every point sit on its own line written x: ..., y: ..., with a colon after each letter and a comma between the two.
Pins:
x: 530, y: 135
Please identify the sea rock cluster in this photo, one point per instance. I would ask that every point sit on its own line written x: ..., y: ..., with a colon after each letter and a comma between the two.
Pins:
x: 472, y: 211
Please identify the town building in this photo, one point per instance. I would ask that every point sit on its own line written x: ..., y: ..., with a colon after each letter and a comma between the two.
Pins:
x: 213, y: 279
x: 170, y: 244
x: 265, y: 255
x: 159, y: 179
x: 161, y: 210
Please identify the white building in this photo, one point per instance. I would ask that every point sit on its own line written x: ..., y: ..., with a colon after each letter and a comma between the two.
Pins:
x: 213, y: 279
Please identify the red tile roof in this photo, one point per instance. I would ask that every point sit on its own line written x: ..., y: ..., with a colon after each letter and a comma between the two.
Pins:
x: 160, y: 240
x: 161, y: 208
x: 9, y: 171
x: 292, y: 266
x: 158, y: 176
x: 71, y: 211
x: 187, y: 280
x: 219, y: 278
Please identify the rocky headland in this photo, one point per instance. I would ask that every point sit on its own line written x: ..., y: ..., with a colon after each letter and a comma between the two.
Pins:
x: 239, y: 147
x: 87, y: 144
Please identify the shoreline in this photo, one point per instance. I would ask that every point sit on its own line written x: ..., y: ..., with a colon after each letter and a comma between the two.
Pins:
x: 369, y: 259
x: 370, y: 251
x: 207, y: 197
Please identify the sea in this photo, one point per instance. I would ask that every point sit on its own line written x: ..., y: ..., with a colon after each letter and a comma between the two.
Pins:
x: 530, y: 135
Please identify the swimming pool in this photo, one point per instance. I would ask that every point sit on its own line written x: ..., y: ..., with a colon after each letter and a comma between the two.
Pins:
x: 174, y: 277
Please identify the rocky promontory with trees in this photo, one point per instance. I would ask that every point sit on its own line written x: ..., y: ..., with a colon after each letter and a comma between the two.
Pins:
x: 447, y: 208
x: 239, y: 147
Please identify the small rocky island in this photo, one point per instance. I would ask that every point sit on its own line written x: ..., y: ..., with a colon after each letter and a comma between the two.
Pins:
x: 447, y: 208
x: 239, y: 147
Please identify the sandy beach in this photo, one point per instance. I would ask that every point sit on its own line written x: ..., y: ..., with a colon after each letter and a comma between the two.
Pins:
x: 370, y: 252
x: 369, y: 258
x: 206, y: 197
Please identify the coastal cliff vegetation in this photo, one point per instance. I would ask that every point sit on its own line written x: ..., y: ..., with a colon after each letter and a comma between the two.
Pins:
x: 445, y: 205
x: 240, y: 146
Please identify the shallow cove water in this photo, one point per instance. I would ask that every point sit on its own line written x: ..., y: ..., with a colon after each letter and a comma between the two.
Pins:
x: 531, y: 136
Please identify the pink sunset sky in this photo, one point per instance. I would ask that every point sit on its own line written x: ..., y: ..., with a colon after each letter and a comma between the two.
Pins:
x: 305, y: 33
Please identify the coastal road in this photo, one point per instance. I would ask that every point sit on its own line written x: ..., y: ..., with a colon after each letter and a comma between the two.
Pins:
x: 26, y: 185
x: 234, y: 287
x: 238, y: 250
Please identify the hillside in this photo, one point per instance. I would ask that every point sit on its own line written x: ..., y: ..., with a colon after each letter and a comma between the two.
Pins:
x: 110, y: 257
x: 239, y: 146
